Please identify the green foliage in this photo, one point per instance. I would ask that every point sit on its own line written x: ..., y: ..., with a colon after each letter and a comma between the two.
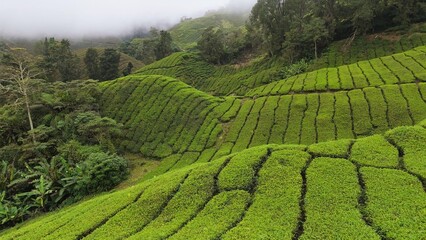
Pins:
x: 331, y: 202
x: 188, y: 32
x: 99, y: 172
x: 374, y: 151
x: 301, y: 28
x: 145, y: 208
x: 200, y: 186
x: 412, y: 142
x: 166, y: 109
x: 48, y: 167
x: 395, y: 200
x: 239, y: 174
x: 211, y: 46
x: 219, y: 214
x: 59, y: 63
x: 374, y: 72
x: 156, y: 46
x: 278, y: 187
x: 336, y: 149
x: 164, y: 46
x: 108, y: 64
x: 91, y: 60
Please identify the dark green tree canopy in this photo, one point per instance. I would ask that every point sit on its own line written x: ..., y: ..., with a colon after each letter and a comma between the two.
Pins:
x: 164, y: 46
x: 91, y: 61
x: 109, y: 63
x: 211, y: 45
x: 303, y: 26
x: 59, y: 63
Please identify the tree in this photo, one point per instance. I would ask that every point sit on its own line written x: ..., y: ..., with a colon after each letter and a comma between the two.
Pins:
x: 269, y: 17
x: 128, y: 69
x: 211, y: 45
x: 91, y: 61
x: 164, y: 46
x: 59, y: 63
x: 316, y: 31
x: 109, y: 63
x: 18, y: 81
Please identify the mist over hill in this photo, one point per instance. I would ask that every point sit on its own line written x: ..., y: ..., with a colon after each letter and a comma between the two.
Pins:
x: 96, y: 18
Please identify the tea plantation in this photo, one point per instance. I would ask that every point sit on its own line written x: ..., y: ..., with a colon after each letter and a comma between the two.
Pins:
x: 335, y: 153
x: 371, y: 188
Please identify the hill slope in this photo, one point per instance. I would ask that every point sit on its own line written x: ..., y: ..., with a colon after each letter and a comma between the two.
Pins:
x: 232, y: 80
x: 187, y: 33
x: 342, y: 189
x: 163, y: 115
x: 351, y: 101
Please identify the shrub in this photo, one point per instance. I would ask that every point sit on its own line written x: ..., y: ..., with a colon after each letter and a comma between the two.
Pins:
x: 100, y: 172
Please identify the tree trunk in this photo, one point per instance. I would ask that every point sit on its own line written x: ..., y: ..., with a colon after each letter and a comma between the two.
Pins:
x: 30, y: 119
x: 316, y: 50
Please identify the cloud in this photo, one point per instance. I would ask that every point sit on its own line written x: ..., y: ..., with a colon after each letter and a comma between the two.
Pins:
x: 81, y: 18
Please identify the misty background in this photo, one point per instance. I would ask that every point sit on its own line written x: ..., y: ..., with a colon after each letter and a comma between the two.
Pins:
x: 99, y: 18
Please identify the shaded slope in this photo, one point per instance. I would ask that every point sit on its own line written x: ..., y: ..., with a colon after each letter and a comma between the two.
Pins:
x: 372, y: 46
x: 163, y: 115
x: 253, y: 79
x: 216, y: 80
x: 273, y: 192
x: 187, y: 33
x: 401, y: 68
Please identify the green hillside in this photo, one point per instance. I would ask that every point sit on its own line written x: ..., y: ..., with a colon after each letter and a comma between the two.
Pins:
x: 216, y: 80
x: 188, y: 32
x: 372, y: 46
x: 371, y: 188
x: 243, y: 151
x: 163, y: 115
x: 359, y: 100
x: 238, y: 80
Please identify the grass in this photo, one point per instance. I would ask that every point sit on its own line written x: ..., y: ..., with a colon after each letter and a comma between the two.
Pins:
x: 140, y: 167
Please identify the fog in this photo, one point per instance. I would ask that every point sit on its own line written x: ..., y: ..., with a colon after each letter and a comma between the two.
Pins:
x: 96, y: 18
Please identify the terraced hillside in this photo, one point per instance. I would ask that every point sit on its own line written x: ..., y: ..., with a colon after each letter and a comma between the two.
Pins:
x: 401, y: 68
x: 334, y: 153
x: 227, y: 80
x: 168, y: 119
x: 223, y: 80
x: 371, y: 188
x: 163, y: 115
x: 372, y: 46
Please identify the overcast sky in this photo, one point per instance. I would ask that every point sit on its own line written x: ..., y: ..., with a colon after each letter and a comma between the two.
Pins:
x: 84, y: 18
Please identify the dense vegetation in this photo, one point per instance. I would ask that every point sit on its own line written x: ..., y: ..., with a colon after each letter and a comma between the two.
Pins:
x: 55, y: 148
x: 299, y: 28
